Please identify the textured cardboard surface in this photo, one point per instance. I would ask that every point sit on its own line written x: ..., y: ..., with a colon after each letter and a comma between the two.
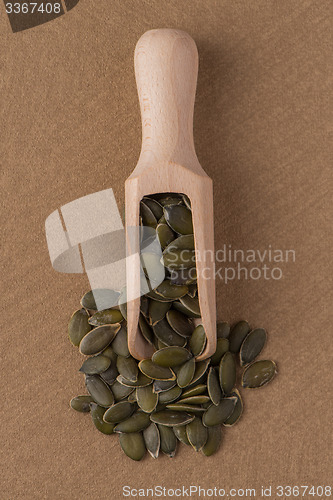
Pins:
x: 70, y: 126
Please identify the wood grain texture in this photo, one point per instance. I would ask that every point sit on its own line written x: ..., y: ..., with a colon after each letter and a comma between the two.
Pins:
x: 166, y: 68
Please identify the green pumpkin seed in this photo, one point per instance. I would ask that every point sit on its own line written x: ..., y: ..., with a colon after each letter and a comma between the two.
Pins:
x: 187, y: 201
x: 163, y: 221
x: 170, y: 200
x: 135, y: 423
x: 147, y: 216
x: 198, y: 340
x: 144, y: 306
x: 157, y: 311
x: 106, y: 317
x: 213, y: 386
x: 171, y: 418
x: 154, y: 206
x: 165, y: 234
x: 132, y: 397
x: 183, y: 407
x: 78, y: 326
x: 237, y: 335
x: 186, y: 373
x: 128, y: 368
x: 146, y: 398
x: 111, y: 373
x: 180, y: 323
x: 178, y: 259
x: 171, y: 356
x: 148, y: 368
x: 133, y: 445
x: 153, y: 295
x: 152, y: 440
x: 168, y: 441
x: 185, y: 276
x: 142, y: 381
x: 99, y: 391
x: 180, y: 433
x: 98, y: 339
x: 222, y: 330
x: 179, y: 218
x: 195, y: 400
x: 216, y: 415
x: 192, y: 290
x: 97, y: 413
x: 118, y: 412
x: 252, y: 346
x: 166, y: 334
x: 81, y: 403
x: 170, y: 395
x: 169, y: 291
x: 120, y: 345
x: 184, y: 242
x: 213, y: 441
x: 200, y: 370
x: 222, y: 346
x: 238, y: 410
x: 95, y: 365
x: 227, y: 372
x: 258, y: 374
x: 191, y: 304
x: 145, y: 329
x: 197, y: 434
x: 105, y: 298
x: 163, y: 385
x: 109, y: 353
x: 178, y: 306
x: 120, y: 391
x: 153, y: 268
x: 195, y: 391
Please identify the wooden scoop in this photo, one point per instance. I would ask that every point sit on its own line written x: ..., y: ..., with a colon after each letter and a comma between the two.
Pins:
x: 166, y: 68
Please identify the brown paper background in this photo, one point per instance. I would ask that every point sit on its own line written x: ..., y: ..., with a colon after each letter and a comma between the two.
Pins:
x: 70, y: 126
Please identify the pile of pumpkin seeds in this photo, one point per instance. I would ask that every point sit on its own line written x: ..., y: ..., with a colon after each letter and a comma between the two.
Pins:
x: 156, y: 403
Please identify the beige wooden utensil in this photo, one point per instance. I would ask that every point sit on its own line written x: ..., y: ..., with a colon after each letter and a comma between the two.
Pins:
x: 166, y: 68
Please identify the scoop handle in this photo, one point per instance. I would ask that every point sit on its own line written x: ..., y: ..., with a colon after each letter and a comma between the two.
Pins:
x: 166, y: 70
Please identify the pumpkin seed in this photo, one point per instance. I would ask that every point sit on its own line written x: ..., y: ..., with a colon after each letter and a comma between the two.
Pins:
x: 222, y: 346
x: 185, y: 276
x: 187, y: 201
x: 186, y: 373
x: 198, y: 340
x: 152, y: 439
x: 166, y: 334
x: 157, y: 311
x: 153, y: 295
x: 184, y: 242
x: 154, y: 206
x: 153, y: 268
x: 163, y: 385
x: 78, y: 326
x: 168, y: 441
x: 195, y: 391
x: 135, y: 423
x: 213, y: 441
x: 184, y: 407
x: 99, y: 390
x: 192, y: 290
x: 191, y: 304
x: 252, y: 346
x: 97, y: 413
x: 222, y: 330
x: 170, y: 395
x: 133, y: 445
x: 180, y: 323
x: 81, y: 403
x: 195, y: 400
x: 128, y: 368
x: 170, y: 200
x: 142, y: 381
x: 178, y: 259
x: 106, y: 317
x: 237, y: 335
x: 197, y: 434
x: 165, y: 234
x: 98, y: 339
x: 258, y: 374
x: 144, y: 306
x: 146, y: 398
x: 169, y: 291
x: 147, y: 216
x: 180, y: 433
x: 120, y: 345
x: 171, y: 356
x: 213, y: 386
x: 118, y: 412
x: 105, y: 298
x: 120, y: 391
x: 111, y: 373
x: 145, y: 329
x: 200, y: 370
x: 148, y: 368
x: 179, y: 218
x: 171, y: 418
x: 178, y: 306
x: 238, y: 410
x: 227, y: 372
x: 95, y: 365
x: 216, y: 415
